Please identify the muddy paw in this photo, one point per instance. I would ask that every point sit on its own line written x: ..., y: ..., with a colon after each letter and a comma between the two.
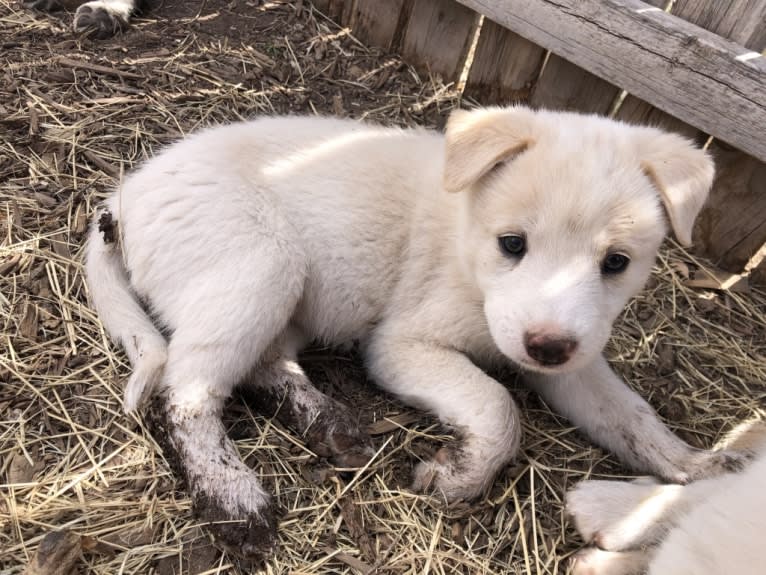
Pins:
x: 96, y: 20
x: 705, y: 464
x: 619, y: 515
x: 250, y: 536
x: 447, y: 475
x: 335, y: 434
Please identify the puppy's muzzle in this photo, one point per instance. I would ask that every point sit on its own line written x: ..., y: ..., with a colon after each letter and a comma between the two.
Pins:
x: 549, y: 349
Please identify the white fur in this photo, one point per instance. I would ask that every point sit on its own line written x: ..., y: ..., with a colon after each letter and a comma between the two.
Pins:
x: 709, y: 527
x: 116, y: 11
x: 340, y: 231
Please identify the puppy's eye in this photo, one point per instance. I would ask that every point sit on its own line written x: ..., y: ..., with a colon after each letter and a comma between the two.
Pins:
x: 614, y: 263
x: 513, y: 245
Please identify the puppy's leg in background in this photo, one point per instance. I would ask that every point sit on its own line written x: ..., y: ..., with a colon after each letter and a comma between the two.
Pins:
x: 594, y: 561
x: 447, y: 383
x: 104, y: 18
x: 601, y: 404
x: 330, y: 428
x: 623, y: 515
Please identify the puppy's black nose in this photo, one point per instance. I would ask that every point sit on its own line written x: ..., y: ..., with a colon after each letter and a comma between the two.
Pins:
x: 549, y: 349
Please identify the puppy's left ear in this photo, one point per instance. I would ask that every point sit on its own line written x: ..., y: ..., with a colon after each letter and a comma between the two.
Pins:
x: 683, y: 174
x: 480, y: 140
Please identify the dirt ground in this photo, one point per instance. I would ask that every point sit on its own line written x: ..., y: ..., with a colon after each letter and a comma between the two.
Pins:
x: 74, y: 115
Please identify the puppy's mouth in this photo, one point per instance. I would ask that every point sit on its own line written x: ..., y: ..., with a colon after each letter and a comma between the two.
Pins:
x: 529, y: 364
x: 575, y: 362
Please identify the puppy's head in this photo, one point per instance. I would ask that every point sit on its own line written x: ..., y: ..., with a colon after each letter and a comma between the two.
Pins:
x: 561, y: 218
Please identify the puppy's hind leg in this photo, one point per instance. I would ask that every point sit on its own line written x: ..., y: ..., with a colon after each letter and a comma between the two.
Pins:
x: 330, y: 428
x: 231, y: 315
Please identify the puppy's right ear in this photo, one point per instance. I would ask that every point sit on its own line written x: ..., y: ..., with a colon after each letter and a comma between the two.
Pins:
x: 478, y: 141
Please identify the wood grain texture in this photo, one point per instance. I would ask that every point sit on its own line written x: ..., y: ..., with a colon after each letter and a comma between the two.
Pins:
x: 337, y: 10
x: 568, y: 87
x: 695, y: 75
x: 438, y: 36
x: 732, y: 226
x: 376, y: 23
x: 565, y: 86
x: 742, y: 21
x: 505, y: 66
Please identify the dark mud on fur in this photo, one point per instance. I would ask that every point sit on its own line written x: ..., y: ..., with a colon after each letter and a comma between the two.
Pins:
x: 336, y: 432
x: 107, y: 226
x: 252, y: 537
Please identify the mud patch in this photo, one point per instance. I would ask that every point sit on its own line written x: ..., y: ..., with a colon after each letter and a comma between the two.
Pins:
x: 107, y: 227
x: 252, y: 537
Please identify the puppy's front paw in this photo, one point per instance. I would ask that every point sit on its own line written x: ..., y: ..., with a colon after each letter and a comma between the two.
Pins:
x: 704, y: 464
x: 617, y: 515
x: 97, y: 20
x: 450, y: 475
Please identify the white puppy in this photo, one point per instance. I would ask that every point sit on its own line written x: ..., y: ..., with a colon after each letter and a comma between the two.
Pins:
x: 516, y: 236
x: 710, y: 527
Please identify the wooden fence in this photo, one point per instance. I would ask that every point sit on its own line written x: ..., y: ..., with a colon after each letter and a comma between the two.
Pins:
x: 692, y: 66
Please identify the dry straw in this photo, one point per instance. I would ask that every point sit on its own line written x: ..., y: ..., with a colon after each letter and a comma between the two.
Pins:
x: 74, y: 114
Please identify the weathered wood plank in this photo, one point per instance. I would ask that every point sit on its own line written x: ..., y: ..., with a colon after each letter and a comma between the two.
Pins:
x: 741, y: 21
x: 438, y: 35
x: 695, y: 75
x: 321, y: 5
x: 505, y: 66
x: 337, y: 10
x: 637, y: 111
x: 568, y: 87
x: 377, y: 22
x: 732, y: 227
x: 564, y: 86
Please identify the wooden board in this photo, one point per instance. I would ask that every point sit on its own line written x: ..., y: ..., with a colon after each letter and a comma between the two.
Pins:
x: 564, y: 86
x: 732, y: 227
x: 741, y: 21
x: 377, y: 22
x: 697, y: 76
x: 438, y: 36
x: 637, y: 111
x: 505, y: 67
x: 337, y: 10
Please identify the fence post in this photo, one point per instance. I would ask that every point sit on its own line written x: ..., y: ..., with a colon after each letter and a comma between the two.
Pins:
x: 505, y: 66
x: 438, y: 36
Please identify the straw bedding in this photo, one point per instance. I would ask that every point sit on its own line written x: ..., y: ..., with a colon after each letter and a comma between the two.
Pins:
x: 74, y: 115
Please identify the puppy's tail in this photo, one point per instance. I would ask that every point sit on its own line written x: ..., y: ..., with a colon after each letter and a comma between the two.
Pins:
x: 121, y: 313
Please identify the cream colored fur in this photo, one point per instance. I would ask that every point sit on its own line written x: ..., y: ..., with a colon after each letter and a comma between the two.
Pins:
x: 709, y: 527
x: 339, y: 231
x: 115, y: 12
